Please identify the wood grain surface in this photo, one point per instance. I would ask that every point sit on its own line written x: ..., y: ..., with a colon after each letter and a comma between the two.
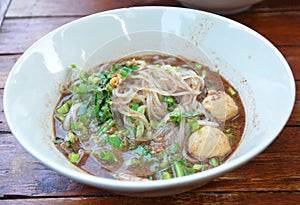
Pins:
x: 3, y: 8
x: 273, y: 177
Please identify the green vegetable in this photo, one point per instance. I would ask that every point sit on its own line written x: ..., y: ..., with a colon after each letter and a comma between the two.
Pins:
x: 106, y: 126
x: 115, y: 141
x: 139, y: 130
x: 60, y: 117
x: 69, y: 144
x: 204, y: 73
x: 74, y: 126
x: 71, y: 137
x: 164, y: 164
x: 231, y: 91
x: 74, y: 157
x: 105, y: 155
x: 188, y: 170
x: 178, y: 169
x: 64, y: 109
x: 83, y: 88
x: 175, y: 117
x: 198, y: 66
x: 171, y: 103
x: 133, y: 162
x: 143, y: 150
x: 123, y: 69
x: 152, y: 123
x: 197, y: 167
x: 102, y: 106
x: 135, y: 106
x: 228, y: 132
x: 73, y: 66
x: 213, y: 162
x: 84, y: 120
x: 166, y: 175
x: 140, y: 126
x: 193, y: 125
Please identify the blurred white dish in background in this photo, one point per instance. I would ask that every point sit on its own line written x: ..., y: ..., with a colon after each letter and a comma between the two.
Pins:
x: 220, y: 6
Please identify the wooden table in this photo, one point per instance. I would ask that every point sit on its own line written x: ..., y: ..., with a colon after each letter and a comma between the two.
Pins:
x: 273, y: 177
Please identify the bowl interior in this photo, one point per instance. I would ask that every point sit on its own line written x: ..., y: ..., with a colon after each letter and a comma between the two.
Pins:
x: 246, y: 59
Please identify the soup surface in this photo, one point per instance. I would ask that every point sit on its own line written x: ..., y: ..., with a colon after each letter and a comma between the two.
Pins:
x: 147, y: 117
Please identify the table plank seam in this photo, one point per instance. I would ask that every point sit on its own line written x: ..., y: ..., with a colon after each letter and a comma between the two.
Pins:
x: 108, y: 195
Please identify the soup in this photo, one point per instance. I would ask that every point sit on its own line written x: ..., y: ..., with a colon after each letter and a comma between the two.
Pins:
x: 148, y: 117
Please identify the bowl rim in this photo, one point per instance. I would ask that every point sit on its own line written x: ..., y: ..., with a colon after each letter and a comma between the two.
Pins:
x: 149, y: 185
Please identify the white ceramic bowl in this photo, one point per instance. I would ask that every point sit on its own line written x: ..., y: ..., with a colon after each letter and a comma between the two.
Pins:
x: 220, y: 6
x: 246, y: 59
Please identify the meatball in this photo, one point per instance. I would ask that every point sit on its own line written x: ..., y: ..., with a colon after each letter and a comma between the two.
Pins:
x: 220, y: 105
x: 208, y: 142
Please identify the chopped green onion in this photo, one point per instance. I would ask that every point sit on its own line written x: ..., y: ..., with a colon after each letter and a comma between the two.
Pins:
x: 197, y: 167
x: 191, y: 114
x: 73, y: 66
x: 228, y: 132
x: 74, y: 126
x: 74, y: 157
x: 115, y: 141
x: 106, y: 156
x: 64, y: 109
x: 194, y: 126
x: 175, y: 117
x: 109, y: 87
x: 198, y: 66
x: 139, y: 130
x: 69, y: 144
x: 164, y: 164
x: 84, y: 120
x: 152, y: 123
x: 133, y: 162
x: 79, y: 127
x: 204, y: 73
x: 188, y: 170
x: 171, y: 103
x: 148, y: 134
x: 231, y: 91
x: 166, y: 175
x: 135, y: 106
x: 178, y: 169
x: 167, y: 99
x: 105, y: 127
x: 140, y: 126
x: 71, y: 137
x: 124, y: 70
x: 60, y: 117
x: 213, y: 162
